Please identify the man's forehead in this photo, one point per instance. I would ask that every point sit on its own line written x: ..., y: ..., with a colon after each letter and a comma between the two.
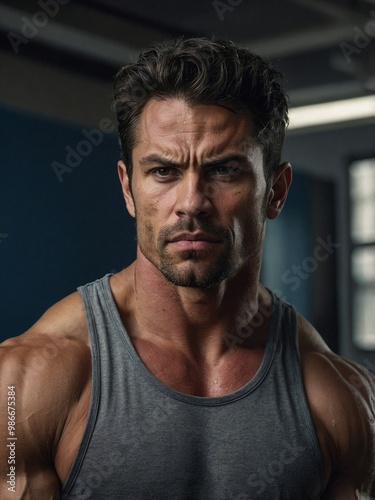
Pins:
x: 174, y: 117
x: 174, y: 131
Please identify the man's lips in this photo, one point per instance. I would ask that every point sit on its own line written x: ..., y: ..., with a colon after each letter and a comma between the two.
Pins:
x: 193, y: 241
x: 193, y: 237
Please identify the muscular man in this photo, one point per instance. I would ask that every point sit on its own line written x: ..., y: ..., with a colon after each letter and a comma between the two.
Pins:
x: 182, y: 377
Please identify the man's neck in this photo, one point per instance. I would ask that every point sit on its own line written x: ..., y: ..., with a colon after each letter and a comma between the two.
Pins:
x: 200, y: 322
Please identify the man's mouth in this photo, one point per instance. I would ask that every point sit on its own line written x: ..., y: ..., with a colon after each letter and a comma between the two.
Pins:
x: 194, y: 241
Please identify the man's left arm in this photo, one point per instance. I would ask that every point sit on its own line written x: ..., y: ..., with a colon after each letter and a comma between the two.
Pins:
x: 353, y: 476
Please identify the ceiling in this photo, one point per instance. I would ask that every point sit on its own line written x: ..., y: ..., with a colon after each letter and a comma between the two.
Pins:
x: 325, y: 48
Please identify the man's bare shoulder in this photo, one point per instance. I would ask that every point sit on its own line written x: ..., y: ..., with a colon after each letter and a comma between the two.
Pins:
x: 48, y: 367
x: 341, y: 395
x: 55, y: 342
x: 61, y: 326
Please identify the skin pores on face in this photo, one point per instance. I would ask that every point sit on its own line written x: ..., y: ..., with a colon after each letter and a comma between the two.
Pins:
x: 198, y: 191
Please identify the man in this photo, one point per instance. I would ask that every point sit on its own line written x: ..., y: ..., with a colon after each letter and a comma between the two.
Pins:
x: 182, y: 377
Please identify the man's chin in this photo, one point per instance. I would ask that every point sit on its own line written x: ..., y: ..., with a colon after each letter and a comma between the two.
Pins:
x: 194, y: 255
x: 196, y: 275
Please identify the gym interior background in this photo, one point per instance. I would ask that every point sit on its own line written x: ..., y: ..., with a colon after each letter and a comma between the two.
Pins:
x: 63, y: 222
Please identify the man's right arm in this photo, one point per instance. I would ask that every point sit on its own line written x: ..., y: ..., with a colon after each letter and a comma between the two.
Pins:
x: 42, y: 376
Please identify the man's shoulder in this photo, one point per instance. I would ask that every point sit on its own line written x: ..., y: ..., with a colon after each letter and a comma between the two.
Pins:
x: 342, y: 388
x: 50, y: 344
x: 341, y: 396
x: 54, y: 341
x: 66, y: 318
x: 320, y: 364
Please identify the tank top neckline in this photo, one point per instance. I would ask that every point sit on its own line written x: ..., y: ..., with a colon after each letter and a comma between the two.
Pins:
x: 250, y: 386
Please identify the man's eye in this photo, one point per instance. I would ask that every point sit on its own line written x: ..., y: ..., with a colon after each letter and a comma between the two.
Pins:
x: 222, y: 170
x: 225, y: 170
x: 162, y: 171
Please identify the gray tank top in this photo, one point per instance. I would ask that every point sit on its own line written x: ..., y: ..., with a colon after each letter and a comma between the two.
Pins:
x: 144, y: 440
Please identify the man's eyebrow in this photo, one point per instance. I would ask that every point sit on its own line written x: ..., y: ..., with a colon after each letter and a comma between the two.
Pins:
x: 154, y: 158
x: 220, y: 160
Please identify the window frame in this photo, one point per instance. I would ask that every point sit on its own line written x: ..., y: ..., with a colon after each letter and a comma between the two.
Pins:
x: 352, y: 246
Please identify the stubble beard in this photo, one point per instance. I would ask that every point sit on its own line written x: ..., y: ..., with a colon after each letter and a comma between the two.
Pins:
x: 194, y: 277
x: 190, y: 269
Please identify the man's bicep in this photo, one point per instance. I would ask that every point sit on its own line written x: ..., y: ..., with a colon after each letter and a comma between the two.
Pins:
x: 341, y: 395
x: 8, y: 442
x: 363, y: 384
x: 355, y: 477
x: 25, y: 460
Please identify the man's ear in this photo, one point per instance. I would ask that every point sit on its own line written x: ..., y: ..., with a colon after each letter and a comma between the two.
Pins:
x: 280, y: 184
x: 125, y: 184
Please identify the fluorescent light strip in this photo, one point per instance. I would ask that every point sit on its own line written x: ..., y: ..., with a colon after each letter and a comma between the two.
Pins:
x: 332, y: 112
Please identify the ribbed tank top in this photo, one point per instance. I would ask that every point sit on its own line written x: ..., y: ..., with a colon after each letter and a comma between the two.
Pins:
x: 144, y: 440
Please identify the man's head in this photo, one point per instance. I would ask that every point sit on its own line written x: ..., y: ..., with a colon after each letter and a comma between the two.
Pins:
x: 203, y: 71
x: 202, y: 124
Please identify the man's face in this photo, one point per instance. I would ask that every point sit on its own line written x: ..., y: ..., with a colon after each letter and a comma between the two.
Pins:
x: 198, y: 191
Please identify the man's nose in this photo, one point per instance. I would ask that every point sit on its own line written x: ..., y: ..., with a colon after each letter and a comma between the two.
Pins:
x: 193, y: 196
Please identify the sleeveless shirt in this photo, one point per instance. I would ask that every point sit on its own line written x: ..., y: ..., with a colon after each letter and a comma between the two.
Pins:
x: 144, y: 440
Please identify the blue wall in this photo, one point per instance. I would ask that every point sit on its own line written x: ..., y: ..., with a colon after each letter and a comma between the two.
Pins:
x: 59, y: 233
x: 288, y: 244
x: 55, y: 236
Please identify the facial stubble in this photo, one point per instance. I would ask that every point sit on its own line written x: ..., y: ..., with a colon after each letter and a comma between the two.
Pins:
x: 189, y: 268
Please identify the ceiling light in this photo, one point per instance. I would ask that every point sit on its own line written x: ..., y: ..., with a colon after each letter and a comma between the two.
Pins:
x: 332, y: 112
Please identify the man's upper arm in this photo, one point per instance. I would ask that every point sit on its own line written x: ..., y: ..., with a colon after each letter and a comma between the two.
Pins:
x: 362, y: 384
x: 42, y: 375
x: 353, y: 473
x: 26, y: 431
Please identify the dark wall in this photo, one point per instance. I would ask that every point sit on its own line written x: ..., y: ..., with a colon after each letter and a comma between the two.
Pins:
x: 288, y: 243
x: 56, y: 233
x: 300, y: 255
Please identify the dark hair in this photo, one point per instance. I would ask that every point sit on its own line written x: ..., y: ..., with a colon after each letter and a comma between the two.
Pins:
x: 203, y: 71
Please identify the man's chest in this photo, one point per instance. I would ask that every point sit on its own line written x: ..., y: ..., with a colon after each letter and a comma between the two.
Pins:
x: 197, y: 377
x: 154, y: 444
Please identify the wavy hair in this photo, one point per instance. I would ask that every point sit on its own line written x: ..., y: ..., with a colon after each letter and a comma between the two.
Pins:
x: 203, y: 71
